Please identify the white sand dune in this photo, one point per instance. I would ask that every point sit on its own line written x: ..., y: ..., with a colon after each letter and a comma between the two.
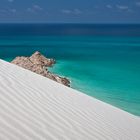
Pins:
x: 35, y: 108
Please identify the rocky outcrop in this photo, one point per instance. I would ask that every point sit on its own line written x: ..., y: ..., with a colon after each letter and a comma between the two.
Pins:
x: 38, y: 63
x: 41, y: 60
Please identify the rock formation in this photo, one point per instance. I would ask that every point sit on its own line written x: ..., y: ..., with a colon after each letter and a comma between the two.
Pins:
x: 38, y: 63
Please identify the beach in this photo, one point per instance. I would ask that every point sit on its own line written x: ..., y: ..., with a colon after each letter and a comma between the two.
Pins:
x: 69, y: 70
x: 34, y: 107
x: 100, y: 60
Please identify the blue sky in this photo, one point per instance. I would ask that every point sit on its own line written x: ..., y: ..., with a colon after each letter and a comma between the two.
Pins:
x: 70, y: 11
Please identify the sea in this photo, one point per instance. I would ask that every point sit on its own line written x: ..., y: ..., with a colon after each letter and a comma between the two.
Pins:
x: 101, y: 60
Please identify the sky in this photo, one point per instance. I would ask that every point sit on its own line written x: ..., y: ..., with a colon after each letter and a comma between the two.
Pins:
x: 70, y: 11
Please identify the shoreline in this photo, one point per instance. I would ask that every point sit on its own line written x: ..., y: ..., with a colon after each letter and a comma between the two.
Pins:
x: 36, y: 107
x: 97, y: 89
x: 39, y: 64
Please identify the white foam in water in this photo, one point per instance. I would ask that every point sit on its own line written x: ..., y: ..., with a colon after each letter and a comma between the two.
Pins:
x: 33, y: 107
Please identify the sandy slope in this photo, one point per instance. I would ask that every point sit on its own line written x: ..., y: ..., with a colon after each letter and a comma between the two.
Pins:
x: 35, y: 108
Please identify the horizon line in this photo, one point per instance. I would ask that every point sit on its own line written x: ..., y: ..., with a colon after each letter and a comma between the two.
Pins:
x: 69, y: 23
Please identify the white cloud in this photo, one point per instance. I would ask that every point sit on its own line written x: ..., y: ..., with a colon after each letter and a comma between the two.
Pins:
x: 11, y: 0
x: 13, y: 10
x: 37, y: 7
x: 34, y: 8
x: 122, y: 7
x: 74, y: 11
x: 138, y: 3
x: 65, y: 11
x: 8, y: 11
x: 109, y: 6
x: 30, y: 10
x: 77, y: 11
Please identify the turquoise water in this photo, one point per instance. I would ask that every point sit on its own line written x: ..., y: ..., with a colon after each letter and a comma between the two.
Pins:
x: 101, y: 60
x: 105, y: 67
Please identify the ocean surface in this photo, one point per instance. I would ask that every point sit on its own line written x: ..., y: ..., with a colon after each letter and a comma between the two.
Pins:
x: 102, y: 61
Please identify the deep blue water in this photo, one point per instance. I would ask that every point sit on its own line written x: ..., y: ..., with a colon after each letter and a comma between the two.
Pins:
x: 70, y: 29
x: 103, y: 61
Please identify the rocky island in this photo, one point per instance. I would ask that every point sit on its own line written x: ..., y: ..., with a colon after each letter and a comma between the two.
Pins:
x: 39, y: 64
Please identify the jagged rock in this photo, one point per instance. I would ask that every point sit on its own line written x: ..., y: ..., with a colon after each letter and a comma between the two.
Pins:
x: 38, y: 63
x: 39, y: 59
